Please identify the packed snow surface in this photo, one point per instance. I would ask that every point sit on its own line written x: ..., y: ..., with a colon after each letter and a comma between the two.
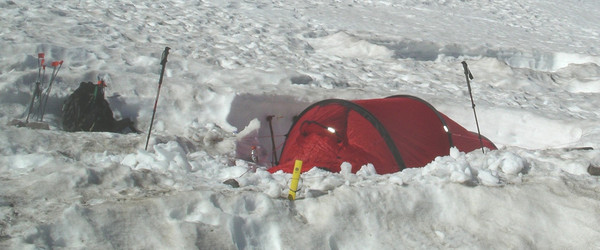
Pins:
x: 233, y: 63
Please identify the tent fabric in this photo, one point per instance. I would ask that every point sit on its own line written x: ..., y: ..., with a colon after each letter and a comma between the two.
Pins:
x: 391, y: 133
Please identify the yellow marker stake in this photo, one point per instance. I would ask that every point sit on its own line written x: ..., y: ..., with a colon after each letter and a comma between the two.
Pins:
x: 295, y: 179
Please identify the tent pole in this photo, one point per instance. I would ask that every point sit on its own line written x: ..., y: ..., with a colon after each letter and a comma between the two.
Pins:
x: 469, y: 77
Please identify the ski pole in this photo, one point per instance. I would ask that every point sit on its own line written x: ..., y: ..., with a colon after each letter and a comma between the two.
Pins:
x: 469, y: 77
x: 163, y: 62
x: 56, y: 65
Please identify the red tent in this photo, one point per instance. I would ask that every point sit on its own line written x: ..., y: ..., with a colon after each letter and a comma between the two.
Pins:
x: 392, y: 134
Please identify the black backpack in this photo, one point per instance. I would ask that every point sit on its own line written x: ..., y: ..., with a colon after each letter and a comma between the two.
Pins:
x: 87, y: 110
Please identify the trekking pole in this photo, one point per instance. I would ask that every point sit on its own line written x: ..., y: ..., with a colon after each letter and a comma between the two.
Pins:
x: 163, y: 62
x: 40, y: 63
x: 469, y: 77
x: 36, y: 93
x: 37, y: 89
x: 56, y: 65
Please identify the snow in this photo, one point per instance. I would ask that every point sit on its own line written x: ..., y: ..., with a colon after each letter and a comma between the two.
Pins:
x: 233, y: 63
